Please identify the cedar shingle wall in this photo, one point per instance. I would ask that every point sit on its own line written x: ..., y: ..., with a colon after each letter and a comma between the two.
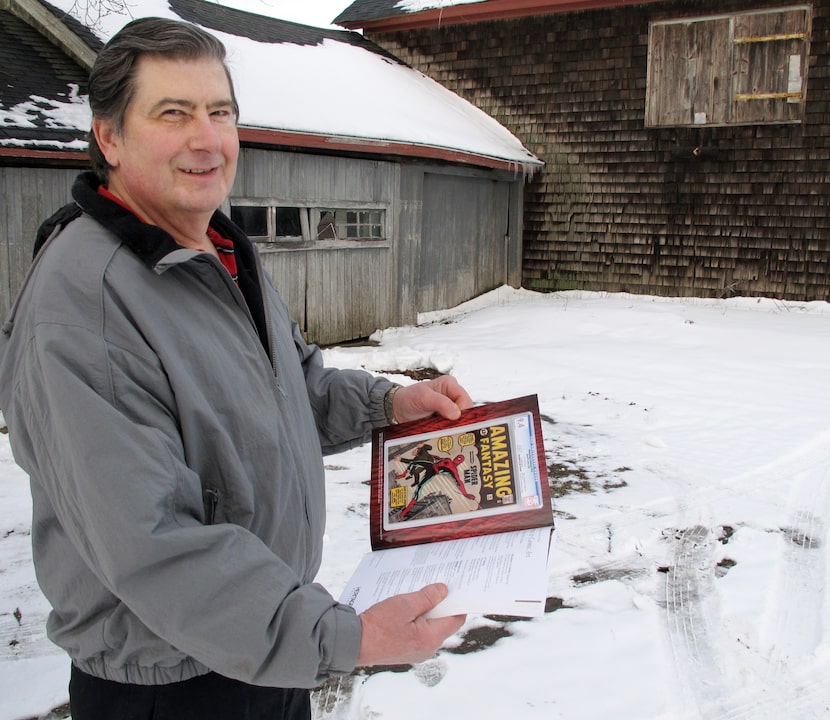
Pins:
x: 622, y: 207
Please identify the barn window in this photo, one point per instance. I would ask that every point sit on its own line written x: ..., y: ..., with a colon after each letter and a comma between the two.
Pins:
x: 741, y: 69
x: 253, y: 219
x: 345, y: 224
x: 280, y: 223
x: 288, y: 223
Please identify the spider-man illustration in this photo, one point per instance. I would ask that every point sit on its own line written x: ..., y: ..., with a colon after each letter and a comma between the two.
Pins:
x: 423, y: 467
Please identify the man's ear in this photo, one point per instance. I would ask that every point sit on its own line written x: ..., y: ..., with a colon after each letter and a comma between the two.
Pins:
x: 107, y: 138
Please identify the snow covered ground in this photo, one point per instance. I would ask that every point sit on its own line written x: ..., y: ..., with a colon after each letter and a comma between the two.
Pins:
x: 689, y: 455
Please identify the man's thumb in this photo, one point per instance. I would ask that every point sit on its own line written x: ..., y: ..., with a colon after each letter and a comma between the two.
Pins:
x: 428, y: 597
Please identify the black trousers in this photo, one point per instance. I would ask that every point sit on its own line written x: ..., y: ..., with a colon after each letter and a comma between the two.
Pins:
x: 207, y: 697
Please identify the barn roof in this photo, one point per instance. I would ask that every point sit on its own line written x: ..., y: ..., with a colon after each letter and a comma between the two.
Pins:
x: 298, y: 86
x: 391, y: 15
x: 42, y: 104
x: 263, y: 29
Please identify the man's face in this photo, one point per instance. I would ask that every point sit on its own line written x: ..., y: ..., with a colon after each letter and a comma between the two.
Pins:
x: 175, y: 159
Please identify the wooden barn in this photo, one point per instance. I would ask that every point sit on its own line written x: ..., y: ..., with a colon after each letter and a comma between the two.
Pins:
x: 686, y: 142
x: 43, y: 120
x: 373, y: 192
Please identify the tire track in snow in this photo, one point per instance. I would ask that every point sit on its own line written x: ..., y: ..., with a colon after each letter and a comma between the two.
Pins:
x: 762, y: 483
x: 795, y: 606
x: 692, y: 622
x: 781, y: 684
x: 793, y: 619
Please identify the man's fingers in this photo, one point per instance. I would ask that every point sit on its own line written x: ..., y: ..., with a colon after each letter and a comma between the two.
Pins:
x: 395, y: 630
x: 443, y: 395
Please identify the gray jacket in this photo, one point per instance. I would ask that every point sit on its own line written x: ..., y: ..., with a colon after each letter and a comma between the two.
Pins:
x: 175, y: 457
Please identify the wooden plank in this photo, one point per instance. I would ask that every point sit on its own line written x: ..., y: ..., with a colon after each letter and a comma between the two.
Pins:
x: 288, y: 273
x: 770, y: 38
x: 744, y: 97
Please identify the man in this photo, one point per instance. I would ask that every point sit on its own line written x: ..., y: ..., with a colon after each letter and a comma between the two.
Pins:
x: 172, y: 421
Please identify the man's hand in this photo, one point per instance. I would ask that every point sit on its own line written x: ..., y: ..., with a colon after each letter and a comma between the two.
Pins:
x: 396, y: 633
x: 443, y: 395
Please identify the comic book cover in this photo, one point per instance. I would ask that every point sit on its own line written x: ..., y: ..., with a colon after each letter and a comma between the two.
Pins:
x: 440, y: 479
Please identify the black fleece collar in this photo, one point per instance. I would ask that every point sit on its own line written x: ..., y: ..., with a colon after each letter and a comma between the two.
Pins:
x: 149, y: 242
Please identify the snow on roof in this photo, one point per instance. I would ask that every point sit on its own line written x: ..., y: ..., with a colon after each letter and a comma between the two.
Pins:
x: 362, y: 10
x: 42, y: 105
x: 403, y: 15
x: 418, y: 5
x: 20, y: 123
x: 328, y: 82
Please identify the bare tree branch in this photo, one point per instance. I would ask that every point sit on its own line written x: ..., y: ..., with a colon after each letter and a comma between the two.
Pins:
x: 92, y: 12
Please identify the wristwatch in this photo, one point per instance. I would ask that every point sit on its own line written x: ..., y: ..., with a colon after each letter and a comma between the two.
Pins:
x: 387, y: 404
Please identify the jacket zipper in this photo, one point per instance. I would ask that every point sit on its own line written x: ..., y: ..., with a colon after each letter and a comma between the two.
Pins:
x: 212, y: 497
x: 269, y: 323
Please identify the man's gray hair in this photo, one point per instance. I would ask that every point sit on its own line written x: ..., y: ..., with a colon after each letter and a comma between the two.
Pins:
x: 112, y: 78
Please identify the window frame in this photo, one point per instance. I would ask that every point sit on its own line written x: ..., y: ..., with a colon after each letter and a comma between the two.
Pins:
x: 310, y: 217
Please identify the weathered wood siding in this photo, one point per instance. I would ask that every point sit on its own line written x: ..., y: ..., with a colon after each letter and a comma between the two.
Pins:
x: 463, y: 243
x: 335, y: 295
x: 460, y: 236
x: 27, y: 197
x: 453, y: 233
x: 335, y: 291
x: 706, y: 211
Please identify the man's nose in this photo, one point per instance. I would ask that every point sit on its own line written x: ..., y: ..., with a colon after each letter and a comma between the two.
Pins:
x: 205, y: 134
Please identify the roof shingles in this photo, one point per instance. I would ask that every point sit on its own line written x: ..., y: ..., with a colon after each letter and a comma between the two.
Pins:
x: 35, y: 79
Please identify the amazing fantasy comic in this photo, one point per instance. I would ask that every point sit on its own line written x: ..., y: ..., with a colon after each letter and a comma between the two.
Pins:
x: 483, y: 468
x: 438, y: 479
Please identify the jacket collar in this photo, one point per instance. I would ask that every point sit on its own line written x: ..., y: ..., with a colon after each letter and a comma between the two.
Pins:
x: 149, y: 242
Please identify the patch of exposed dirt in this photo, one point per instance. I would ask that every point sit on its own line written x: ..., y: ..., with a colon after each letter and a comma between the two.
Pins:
x: 726, y: 533
x: 566, y: 478
x: 480, y: 638
x: 800, y: 538
x: 416, y: 374
x: 58, y: 713
x: 724, y: 566
x: 602, y: 574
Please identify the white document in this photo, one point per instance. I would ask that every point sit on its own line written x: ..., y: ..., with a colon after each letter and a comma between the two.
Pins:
x: 503, y: 574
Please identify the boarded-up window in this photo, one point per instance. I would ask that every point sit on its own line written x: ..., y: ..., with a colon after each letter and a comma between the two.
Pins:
x: 747, y: 68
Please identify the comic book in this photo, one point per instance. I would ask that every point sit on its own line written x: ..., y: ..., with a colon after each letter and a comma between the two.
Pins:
x: 465, y: 502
